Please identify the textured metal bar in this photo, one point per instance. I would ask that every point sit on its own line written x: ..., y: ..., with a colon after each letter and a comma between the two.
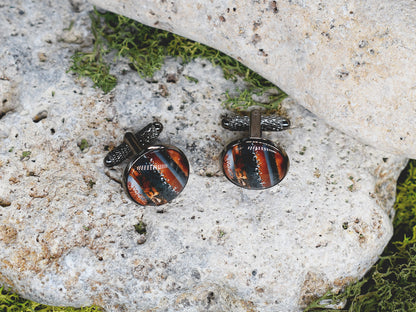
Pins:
x: 144, y: 138
x: 131, y: 140
x: 242, y: 123
x: 117, y: 155
x: 255, y: 124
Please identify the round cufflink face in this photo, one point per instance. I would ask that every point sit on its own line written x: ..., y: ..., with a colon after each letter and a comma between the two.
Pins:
x: 156, y: 176
x: 254, y: 163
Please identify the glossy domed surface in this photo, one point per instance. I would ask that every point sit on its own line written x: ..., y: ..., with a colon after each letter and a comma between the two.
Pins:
x: 254, y: 163
x: 157, y: 176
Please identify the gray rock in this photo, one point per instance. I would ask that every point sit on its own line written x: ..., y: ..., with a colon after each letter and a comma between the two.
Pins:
x: 347, y: 62
x: 67, y: 234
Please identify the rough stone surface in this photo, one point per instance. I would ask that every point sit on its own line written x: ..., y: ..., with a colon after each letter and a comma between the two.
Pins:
x: 349, y: 62
x: 67, y: 234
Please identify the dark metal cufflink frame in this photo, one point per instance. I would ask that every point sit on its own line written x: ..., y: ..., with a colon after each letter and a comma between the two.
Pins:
x: 157, y: 172
x: 254, y: 162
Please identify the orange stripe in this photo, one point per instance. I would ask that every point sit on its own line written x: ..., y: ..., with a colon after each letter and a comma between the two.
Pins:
x: 239, y: 166
x: 179, y: 160
x: 263, y: 169
x: 135, y: 195
x: 281, y: 165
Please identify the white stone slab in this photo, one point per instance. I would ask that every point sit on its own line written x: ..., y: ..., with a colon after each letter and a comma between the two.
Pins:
x: 67, y: 232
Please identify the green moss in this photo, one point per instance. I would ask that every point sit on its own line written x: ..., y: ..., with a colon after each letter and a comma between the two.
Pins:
x: 146, y: 49
x: 140, y: 227
x: 25, y: 155
x: 390, y: 284
x: 191, y: 79
x: 91, y: 65
x: 13, y: 303
x: 71, y: 24
x: 245, y: 98
x: 91, y: 184
x: 83, y: 145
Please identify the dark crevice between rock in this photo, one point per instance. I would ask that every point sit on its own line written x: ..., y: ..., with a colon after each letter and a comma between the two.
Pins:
x: 5, y: 108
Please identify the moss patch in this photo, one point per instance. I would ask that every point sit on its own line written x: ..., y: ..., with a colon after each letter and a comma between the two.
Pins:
x: 390, y: 284
x: 13, y: 303
x: 146, y: 49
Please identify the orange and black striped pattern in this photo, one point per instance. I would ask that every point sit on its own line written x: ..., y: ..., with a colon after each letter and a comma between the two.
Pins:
x: 157, y: 176
x: 254, y: 163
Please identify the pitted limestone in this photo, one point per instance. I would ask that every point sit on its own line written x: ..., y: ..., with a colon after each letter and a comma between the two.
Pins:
x: 67, y: 229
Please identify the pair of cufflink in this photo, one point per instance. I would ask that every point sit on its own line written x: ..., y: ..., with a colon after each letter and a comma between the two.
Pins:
x: 158, y: 173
